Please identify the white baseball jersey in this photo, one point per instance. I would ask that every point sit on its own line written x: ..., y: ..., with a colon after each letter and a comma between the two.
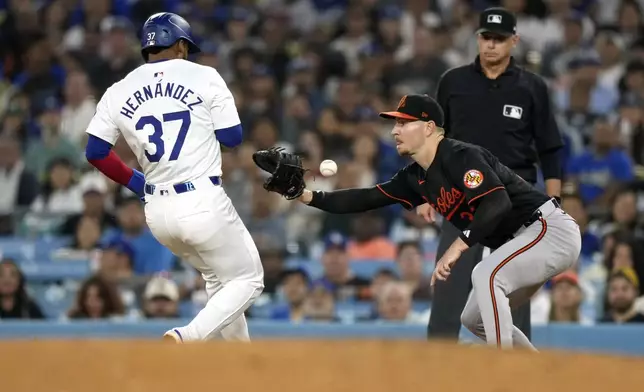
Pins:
x: 168, y: 112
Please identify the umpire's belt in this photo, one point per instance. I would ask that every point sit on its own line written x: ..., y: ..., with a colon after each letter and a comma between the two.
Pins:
x: 182, y: 187
x: 546, y: 209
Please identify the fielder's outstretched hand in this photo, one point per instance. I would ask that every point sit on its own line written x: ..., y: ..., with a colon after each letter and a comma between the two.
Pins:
x: 287, y: 173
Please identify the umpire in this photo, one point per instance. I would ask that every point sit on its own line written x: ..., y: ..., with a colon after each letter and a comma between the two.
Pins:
x: 495, y: 104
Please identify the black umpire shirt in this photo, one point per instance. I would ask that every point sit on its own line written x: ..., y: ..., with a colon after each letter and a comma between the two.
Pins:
x: 511, y: 116
x: 465, y: 183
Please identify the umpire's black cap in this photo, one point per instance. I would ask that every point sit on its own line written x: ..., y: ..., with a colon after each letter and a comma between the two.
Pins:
x: 497, y: 20
x: 417, y: 107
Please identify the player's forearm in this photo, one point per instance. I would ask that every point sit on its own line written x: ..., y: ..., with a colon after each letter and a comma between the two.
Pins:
x: 100, y: 155
x: 490, y: 212
x: 346, y: 201
x: 553, y: 187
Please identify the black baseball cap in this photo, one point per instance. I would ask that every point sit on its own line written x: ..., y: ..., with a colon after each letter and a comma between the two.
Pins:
x: 417, y: 107
x: 497, y: 20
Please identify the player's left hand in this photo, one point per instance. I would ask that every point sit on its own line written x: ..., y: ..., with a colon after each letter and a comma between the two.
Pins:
x: 287, y: 173
x: 444, y: 265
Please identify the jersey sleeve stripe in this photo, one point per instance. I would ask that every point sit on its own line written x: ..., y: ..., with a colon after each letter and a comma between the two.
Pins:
x: 485, y: 193
x: 395, y: 198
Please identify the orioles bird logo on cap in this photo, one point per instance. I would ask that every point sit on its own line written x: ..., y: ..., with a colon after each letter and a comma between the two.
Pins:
x: 402, y: 102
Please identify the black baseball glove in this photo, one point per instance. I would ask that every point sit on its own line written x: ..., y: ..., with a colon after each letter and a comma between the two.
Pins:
x: 287, y: 173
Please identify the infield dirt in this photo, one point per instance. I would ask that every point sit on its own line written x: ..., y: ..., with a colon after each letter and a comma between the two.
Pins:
x: 304, y: 366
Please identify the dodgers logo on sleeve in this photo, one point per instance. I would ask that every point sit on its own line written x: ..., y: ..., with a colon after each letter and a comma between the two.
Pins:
x: 473, y: 178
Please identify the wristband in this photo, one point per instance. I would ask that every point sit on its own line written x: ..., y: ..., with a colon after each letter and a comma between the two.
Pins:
x: 465, y: 239
x: 137, y: 183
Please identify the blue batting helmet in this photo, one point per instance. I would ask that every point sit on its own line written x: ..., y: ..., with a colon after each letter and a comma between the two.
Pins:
x: 162, y: 30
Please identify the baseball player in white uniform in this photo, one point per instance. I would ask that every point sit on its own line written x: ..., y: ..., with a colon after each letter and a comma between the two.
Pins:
x: 174, y: 114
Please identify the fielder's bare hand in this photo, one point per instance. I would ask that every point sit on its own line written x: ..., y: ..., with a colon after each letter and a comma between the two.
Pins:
x: 444, y: 265
x: 427, y: 212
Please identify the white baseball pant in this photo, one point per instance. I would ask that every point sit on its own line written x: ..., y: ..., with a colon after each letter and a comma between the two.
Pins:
x: 202, y: 227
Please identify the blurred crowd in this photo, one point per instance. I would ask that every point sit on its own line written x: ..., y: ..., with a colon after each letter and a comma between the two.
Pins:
x: 311, y: 76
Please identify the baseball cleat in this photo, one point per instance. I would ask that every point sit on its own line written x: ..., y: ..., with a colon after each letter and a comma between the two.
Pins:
x: 173, y: 335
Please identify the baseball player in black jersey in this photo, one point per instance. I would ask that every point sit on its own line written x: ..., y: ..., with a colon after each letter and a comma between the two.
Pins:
x: 490, y: 204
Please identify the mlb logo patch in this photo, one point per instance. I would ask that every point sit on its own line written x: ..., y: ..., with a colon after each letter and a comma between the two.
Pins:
x: 494, y: 19
x: 512, y: 111
x: 158, y: 74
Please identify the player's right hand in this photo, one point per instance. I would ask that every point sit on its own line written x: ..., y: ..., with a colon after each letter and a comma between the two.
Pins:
x: 426, y: 212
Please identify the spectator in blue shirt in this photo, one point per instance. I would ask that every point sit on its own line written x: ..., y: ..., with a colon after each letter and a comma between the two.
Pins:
x: 602, y: 168
x: 150, y: 256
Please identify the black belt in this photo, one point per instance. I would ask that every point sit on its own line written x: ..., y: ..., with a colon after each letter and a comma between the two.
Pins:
x: 182, y: 187
x: 537, y: 214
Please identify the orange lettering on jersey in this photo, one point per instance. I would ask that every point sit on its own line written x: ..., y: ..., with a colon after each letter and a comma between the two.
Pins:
x: 446, y: 200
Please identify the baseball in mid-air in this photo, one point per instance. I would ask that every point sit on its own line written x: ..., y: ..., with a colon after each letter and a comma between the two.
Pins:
x: 328, y: 168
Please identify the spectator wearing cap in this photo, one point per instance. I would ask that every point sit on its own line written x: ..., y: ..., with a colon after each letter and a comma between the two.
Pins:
x: 52, y: 143
x: 566, y: 300
x: 319, y: 305
x: 294, y: 285
x: 16, y: 121
x: 584, y: 71
x: 116, y: 261
x: 161, y: 299
x: 94, y: 191
x: 79, y: 107
x: 621, y: 294
x: 19, y: 186
x: 337, y: 272
x: 602, y: 168
x: 150, y: 256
